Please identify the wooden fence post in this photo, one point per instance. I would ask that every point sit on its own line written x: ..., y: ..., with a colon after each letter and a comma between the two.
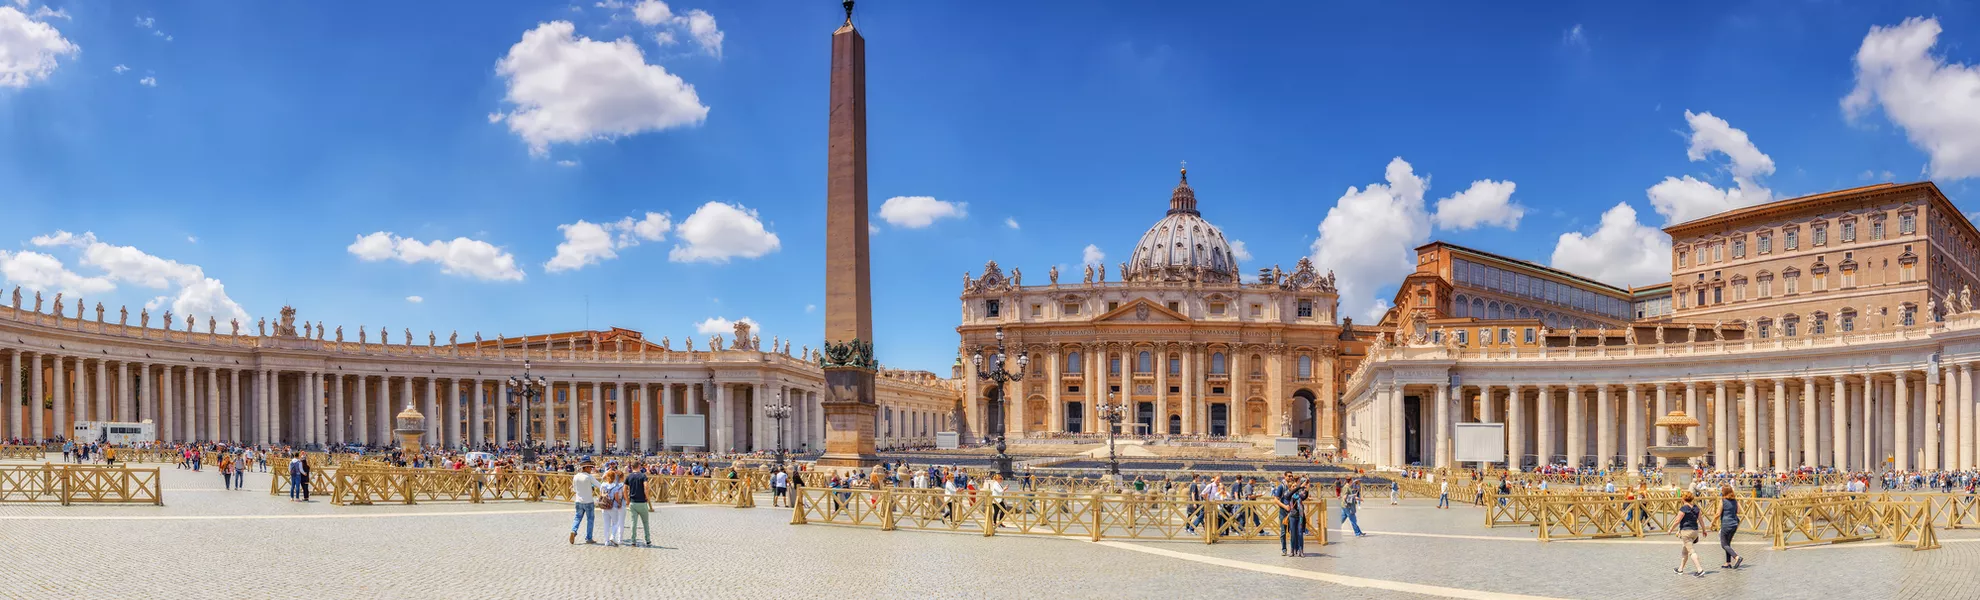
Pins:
x: 797, y: 506
x: 886, y: 508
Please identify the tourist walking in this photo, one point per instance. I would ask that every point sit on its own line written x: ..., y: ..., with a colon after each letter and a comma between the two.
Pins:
x: 1687, y: 535
x: 638, y: 507
x: 226, y: 472
x: 1728, y: 525
x: 1443, y: 494
x: 612, y: 502
x: 584, y: 490
x: 779, y: 484
x: 1351, y: 504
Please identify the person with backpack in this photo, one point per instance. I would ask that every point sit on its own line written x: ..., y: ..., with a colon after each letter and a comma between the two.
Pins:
x: 1350, y: 505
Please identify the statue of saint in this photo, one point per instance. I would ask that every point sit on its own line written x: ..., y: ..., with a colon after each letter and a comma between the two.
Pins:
x: 189, y: 323
x: 37, y: 301
x: 99, y: 312
x: 1053, y: 274
x: 1965, y: 298
x: 1089, y: 274
x: 123, y: 315
x: 340, y: 334
x: 1103, y: 273
x: 1691, y: 333
x: 360, y: 335
x: 454, y: 338
x: 1017, y: 277
x: 319, y: 331
x: 17, y: 297
x: 690, y: 344
x: 212, y: 325
x: 168, y: 320
x: 144, y: 318
x: 431, y: 340
x: 666, y: 344
x: 261, y: 327
x: 477, y: 339
x: 715, y: 342
x: 58, y: 304
x: 787, y: 348
x: 1629, y: 335
x: 409, y: 340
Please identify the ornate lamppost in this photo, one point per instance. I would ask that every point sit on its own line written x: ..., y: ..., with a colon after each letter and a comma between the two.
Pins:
x: 998, y: 375
x: 526, y: 388
x: 779, y: 411
x: 1113, y: 413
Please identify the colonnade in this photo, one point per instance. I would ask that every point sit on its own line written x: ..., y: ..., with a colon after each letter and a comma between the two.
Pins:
x: 1902, y: 418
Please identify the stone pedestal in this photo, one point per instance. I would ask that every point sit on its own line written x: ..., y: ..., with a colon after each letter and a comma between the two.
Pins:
x: 1285, y: 446
x: 849, y: 418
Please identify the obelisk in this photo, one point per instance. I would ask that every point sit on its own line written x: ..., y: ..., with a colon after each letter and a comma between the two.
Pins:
x: 848, y: 358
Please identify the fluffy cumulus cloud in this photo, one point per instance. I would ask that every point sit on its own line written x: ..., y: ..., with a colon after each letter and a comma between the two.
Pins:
x: 460, y: 256
x: 697, y: 24
x: 29, y: 48
x: 915, y: 212
x: 1486, y: 202
x: 1621, y: 251
x: 587, y: 243
x: 1687, y: 198
x: 1092, y: 256
x: 564, y: 88
x: 717, y: 232
x: 1239, y: 252
x: 725, y: 327
x: 1367, y: 236
x: 191, y: 292
x: 1936, y: 102
x: 415, y: 299
x: 148, y: 81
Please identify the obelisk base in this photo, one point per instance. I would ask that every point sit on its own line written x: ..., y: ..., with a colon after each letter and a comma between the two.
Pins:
x: 849, y: 418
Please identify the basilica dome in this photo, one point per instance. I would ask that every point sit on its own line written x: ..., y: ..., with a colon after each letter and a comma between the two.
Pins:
x: 1182, y: 246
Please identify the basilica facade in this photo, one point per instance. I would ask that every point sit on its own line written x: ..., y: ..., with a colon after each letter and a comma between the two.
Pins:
x: 1180, y: 340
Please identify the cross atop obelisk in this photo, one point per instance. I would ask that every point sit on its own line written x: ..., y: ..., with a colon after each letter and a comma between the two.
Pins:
x: 848, y: 357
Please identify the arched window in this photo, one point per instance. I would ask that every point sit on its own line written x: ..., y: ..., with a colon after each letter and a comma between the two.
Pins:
x: 1217, y: 363
x: 1492, y: 311
x: 1462, y: 307
x: 1144, y: 363
x: 1525, y: 313
x: 1846, y: 320
x: 1305, y: 367
x: 1072, y: 362
x: 1477, y: 308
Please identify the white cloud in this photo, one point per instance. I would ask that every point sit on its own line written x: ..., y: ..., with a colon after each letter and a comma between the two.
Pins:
x: 587, y: 243
x: 702, y: 26
x: 1574, y: 37
x: 37, y: 271
x: 43, y: 13
x: 146, y: 22
x: 872, y: 229
x: 725, y: 327
x: 810, y: 308
x: 696, y: 23
x: 1621, y: 251
x: 1486, y: 202
x: 29, y: 49
x: 1376, y: 310
x: 461, y: 256
x: 119, y: 69
x: 652, y: 12
x: 415, y: 299
x: 197, y: 294
x: 717, y: 232
x: 915, y: 212
x: 566, y: 88
x: 1239, y: 252
x: 1684, y: 199
x: 567, y: 163
x: 1011, y: 222
x: 192, y: 239
x: 1936, y: 102
x: 1367, y: 236
x: 148, y: 81
x: 1092, y: 256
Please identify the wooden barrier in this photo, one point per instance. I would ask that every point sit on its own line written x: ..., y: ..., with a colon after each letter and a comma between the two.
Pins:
x: 80, y: 484
x: 1826, y: 519
x: 1565, y: 518
x: 1093, y: 516
x: 1907, y: 523
x: 22, y: 452
x: 364, y: 484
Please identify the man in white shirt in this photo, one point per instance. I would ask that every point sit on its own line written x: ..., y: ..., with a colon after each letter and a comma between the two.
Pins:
x: 584, y: 490
x: 1444, y: 493
x: 997, y: 499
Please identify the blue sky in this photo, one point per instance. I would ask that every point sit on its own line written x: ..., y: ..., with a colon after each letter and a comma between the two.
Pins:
x: 230, y: 158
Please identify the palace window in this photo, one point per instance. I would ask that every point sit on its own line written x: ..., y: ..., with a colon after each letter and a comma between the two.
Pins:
x: 1792, y: 241
x: 1217, y: 363
x: 1821, y: 239
x: 1846, y: 320
x: 1070, y: 308
x: 1217, y: 308
x: 1701, y: 297
x: 1144, y: 363
x: 1463, y: 340
x: 1739, y: 248
x: 992, y: 308
x: 1072, y: 362
x: 1788, y: 327
x: 1718, y: 295
x: 1910, y: 315
x: 1820, y: 326
x: 1175, y: 306
x: 1877, y: 230
x: 1037, y: 310
x: 1175, y: 365
x: 1718, y: 252
x: 1505, y: 336
x: 1305, y: 367
x: 1305, y: 309
x: 1821, y: 281
x: 1766, y: 243
x: 1792, y: 283
x: 1766, y: 286
x: 1113, y: 365
x: 1907, y: 224
x: 1681, y: 258
x: 1529, y: 335
x: 1848, y: 231
x: 1766, y: 329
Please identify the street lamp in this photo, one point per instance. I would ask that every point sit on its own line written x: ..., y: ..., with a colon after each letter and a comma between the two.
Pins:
x: 780, y: 411
x: 999, y: 376
x: 527, y: 389
x: 1113, y: 413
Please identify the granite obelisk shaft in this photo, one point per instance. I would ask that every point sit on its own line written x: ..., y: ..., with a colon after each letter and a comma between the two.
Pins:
x: 849, y: 403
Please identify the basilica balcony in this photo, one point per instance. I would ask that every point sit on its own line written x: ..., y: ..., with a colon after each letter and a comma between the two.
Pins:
x: 1218, y: 377
x: 1071, y: 376
x: 1149, y: 376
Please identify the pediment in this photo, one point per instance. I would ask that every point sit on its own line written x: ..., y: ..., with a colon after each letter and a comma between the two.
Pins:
x: 1141, y: 310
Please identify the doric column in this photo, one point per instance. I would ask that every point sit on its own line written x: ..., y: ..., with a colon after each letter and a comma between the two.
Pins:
x: 189, y: 401
x: 1055, y: 408
x: 549, y: 417
x: 102, y: 395
x: 622, y: 423
x: 61, y: 396
x: 1442, y: 426
x: 500, y: 406
x: 339, y: 432
x: 477, y: 414
x: 1950, y: 395
x: 38, y: 429
x: 1577, y: 425
x: 12, y: 413
x: 1750, y: 427
x: 1839, y: 422
x: 722, y: 409
x: 1396, y: 439
x: 143, y: 397
x: 1634, y: 422
x: 213, y: 405
x: 1722, y: 448
x: 1515, y: 433
x: 972, y: 398
x: 1779, y: 410
x: 660, y: 416
x: 259, y: 424
x: 1932, y: 419
x: 1966, y: 418
x: 1605, y: 428
x: 1810, y: 424
x: 123, y: 404
x: 363, y: 421
x: 429, y: 403
x: 597, y: 418
x: 1275, y: 397
x: 168, y: 405
x: 1663, y: 408
x: 1544, y: 425
x: 1904, y: 399
x: 1863, y: 414
x: 1191, y: 390
x: 574, y: 416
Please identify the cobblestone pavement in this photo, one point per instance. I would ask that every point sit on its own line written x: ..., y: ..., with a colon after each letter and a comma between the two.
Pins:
x: 211, y: 543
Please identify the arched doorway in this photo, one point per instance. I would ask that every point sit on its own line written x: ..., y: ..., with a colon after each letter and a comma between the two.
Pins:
x: 1305, y: 414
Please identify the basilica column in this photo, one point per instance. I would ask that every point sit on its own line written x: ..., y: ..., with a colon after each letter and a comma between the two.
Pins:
x: 574, y: 415
x: 1903, y: 399
x: 1839, y: 422
x: 724, y: 409
x: 1515, y: 433
x: 102, y: 395
x: 1190, y: 391
x: 972, y: 394
x: 1949, y: 400
x: 622, y: 423
x: 1966, y: 418
x: 1442, y: 426
x: 1749, y: 428
x: 61, y: 397
x: 122, y: 406
x: 213, y: 405
x: 38, y: 423
x: 1605, y: 428
x: 1863, y: 417
x: 1809, y: 426
x: 1722, y: 431
x: 666, y: 405
x: 1577, y: 425
x: 168, y: 410
x: 1396, y: 438
x: 1544, y: 424
x: 339, y: 424
x: 189, y: 400
x: 1663, y: 408
x: 363, y: 421
x: 1055, y: 409
x: 1633, y: 421
x: 1932, y: 411
x: 13, y: 413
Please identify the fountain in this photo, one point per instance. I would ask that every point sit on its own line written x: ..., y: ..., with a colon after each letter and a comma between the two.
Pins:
x: 1677, y: 456
x: 411, y: 425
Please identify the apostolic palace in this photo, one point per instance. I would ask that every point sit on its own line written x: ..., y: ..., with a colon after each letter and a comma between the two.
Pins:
x: 1828, y: 330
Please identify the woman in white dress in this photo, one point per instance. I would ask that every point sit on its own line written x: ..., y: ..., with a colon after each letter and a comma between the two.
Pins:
x: 612, y: 503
